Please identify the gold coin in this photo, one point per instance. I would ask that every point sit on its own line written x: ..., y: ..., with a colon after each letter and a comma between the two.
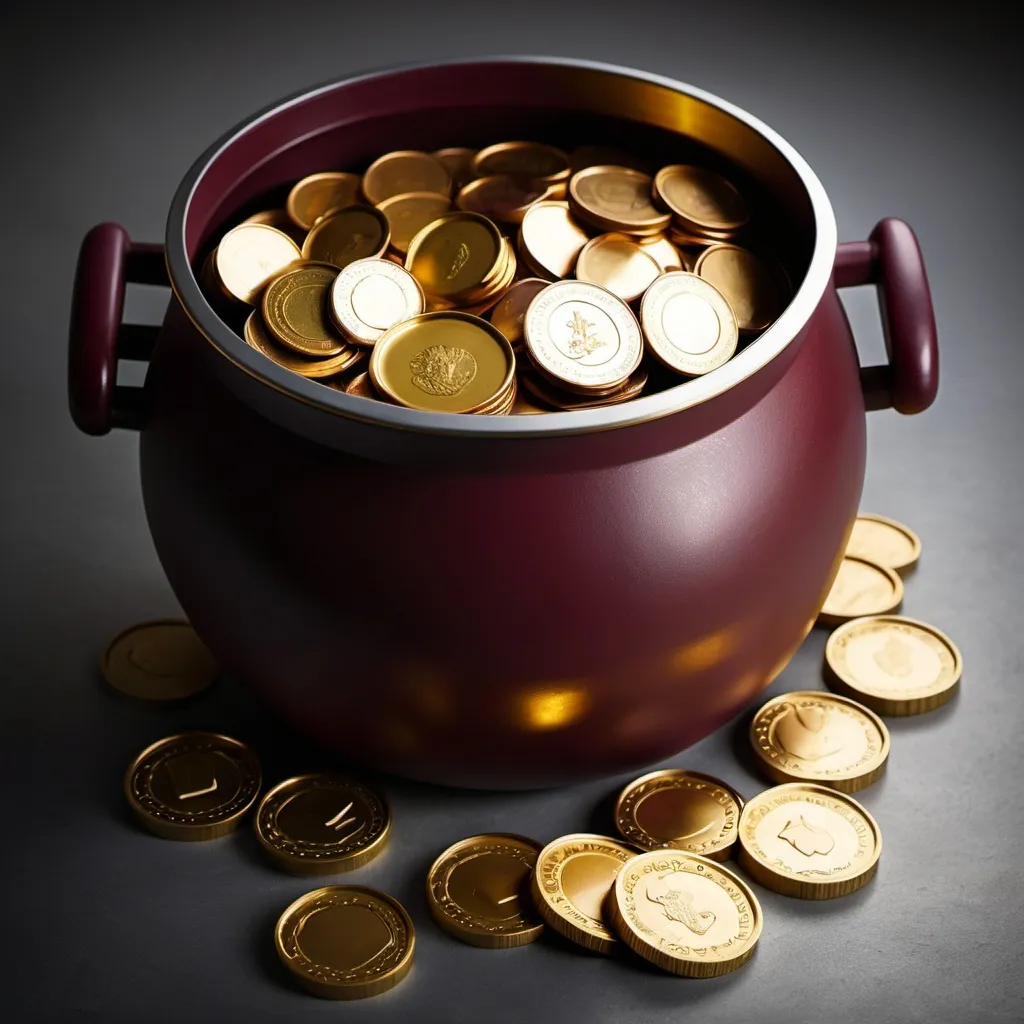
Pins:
x: 746, y: 282
x: 479, y: 891
x: 258, y: 337
x: 550, y: 240
x: 686, y: 914
x: 362, y: 386
x: 550, y: 394
x: 249, y: 256
x: 616, y: 199
x: 322, y: 824
x: 582, y: 336
x: 700, y: 199
x: 295, y: 310
x: 510, y: 312
x: 369, y: 296
x: 278, y: 219
x: 884, y: 542
x: 617, y: 263
x: 343, y: 236
x: 346, y: 941
x: 405, y: 170
x: 679, y: 810
x: 808, y: 841
x: 457, y: 255
x: 532, y: 159
x: 443, y: 362
x: 894, y: 665
x: 194, y: 786
x: 664, y: 253
x: 158, y: 661
x: 571, y: 884
x: 861, y: 588
x: 408, y: 213
x: 502, y: 197
x: 315, y: 194
x: 814, y: 736
x: 459, y: 162
x: 688, y: 324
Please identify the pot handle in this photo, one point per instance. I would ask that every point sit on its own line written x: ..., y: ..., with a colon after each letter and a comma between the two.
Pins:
x: 107, y: 260
x: 892, y: 259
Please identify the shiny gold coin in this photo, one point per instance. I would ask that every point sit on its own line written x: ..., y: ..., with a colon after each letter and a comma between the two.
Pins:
x: 688, y: 324
x: 884, y: 542
x: 295, y: 310
x: 861, y: 588
x: 249, y: 256
x: 617, y: 263
x: 314, y: 195
x: 443, y: 362
x: 346, y: 941
x: 490, y: 295
x: 502, y: 197
x: 700, y: 199
x: 408, y: 213
x: 405, y: 170
x: 686, y: 914
x: 457, y: 255
x: 814, y: 736
x: 369, y: 296
x: 571, y: 883
x: 510, y: 312
x: 479, y: 891
x: 679, y: 810
x: 582, y: 336
x: 343, y: 236
x: 459, y: 162
x: 550, y: 394
x: 194, y: 786
x: 745, y: 280
x: 616, y: 199
x: 808, y: 841
x: 362, y: 386
x: 158, y: 661
x: 664, y: 253
x: 894, y: 665
x: 530, y: 159
x: 322, y: 824
x: 258, y: 337
x: 278, y: 219
x: 550, y: 240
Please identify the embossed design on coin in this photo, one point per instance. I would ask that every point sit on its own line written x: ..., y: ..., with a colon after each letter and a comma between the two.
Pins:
x: 861, y: 588
x: 677, y: 905
x: 808, y: 839
x: 458, y: 262
x: 583, y: 341
x: 441, y: 370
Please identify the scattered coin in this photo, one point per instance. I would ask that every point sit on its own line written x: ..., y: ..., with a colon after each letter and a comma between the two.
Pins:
x: 158, y: 661
x: 700, y: 200
x: 315, y: 194
x: 369, y: 296
x: 502, y: 197
x: 248, y: 257
x: 616, y: 262
x: 406, y: 170
x: 550, y: 240
x: 459, y: 161
x: 861, y: 588
x: 409, y: 213
x: 748, y: 285
x: 616, y: 199
x: 295, y: 310
x: 258, y: 337
x: 509, y: 312
x: 884, y: 542
x: 278, y: 219
x: 664, y: 253
x: 546, y: 164
x: 343, y: 236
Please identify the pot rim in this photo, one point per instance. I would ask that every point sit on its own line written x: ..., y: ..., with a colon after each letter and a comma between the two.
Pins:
x: 687, y: 394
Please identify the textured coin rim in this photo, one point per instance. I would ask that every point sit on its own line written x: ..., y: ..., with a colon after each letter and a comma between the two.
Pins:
x: 838, y: 618
x: 282, y: 331
x: 110, y: 645
x: 649, y: 226
x: 339, y: 305
x: 306, y: 366
x: 906, y: 531
x: 498, y: 267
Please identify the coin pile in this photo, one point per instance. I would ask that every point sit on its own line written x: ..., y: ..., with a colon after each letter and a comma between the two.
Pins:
x: 514, y: 279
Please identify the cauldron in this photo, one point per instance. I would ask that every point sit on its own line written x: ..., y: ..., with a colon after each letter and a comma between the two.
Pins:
x: 501, y: 601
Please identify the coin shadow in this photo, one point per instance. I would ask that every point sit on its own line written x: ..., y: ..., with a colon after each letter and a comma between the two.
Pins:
x: 601, y: 819
x: 264, y: 955
x: 739, y: 744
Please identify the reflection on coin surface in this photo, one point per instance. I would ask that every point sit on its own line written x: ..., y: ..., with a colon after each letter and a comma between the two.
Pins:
x: 362, y: 386
x: 616, y: 199
x: 295, y: 310
x: 258, y: 337
x: 459, y: 161
x: 550, y: 240
x: 346, y: 941
x: 343, y: 236
x: 479, y: 891
x: 278, y: 219
x: 814, y: 736
x: 679, y: 810
x: 193, y: 786
x: 746, y: 282
x: 409, y: 213
x: 688, y: 324
x: 686, y: 914
x: 158, y: 661
x: 249, y: 256
x: 369, y: 296
x: 884, y: 542
x: 616, y: 262
x: 894, y: 665
x: 314, y: 195
x: 322, y: 824
x: 861, y: 588
x: 571, y: 883
x: 664, y: 253
x: 700, y: 198
x: 531, y: 159
x: 808, y: 841
x: 456, y: 255
x: 502, y: 197
x: 510, y: 312
x: 406, y: 170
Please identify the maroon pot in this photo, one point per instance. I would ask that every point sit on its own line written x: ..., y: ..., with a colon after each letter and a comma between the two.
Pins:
x: 501, y: 601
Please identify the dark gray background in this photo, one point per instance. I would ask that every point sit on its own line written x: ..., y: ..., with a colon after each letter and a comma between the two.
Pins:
x: 106, y: 106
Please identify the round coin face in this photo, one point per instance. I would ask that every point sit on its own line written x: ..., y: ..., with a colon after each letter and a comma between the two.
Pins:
x: 341, y: 237
x: 158, y: 661
x: 894, y: 665
x: 502, y: 197
x: 346, y: 941
x: 479, y: 891
x: 617, y: 263
x: 688, y: 324
x: 314, y: 195
x: 249, y: 256
x: 510, y: 311
x: 409, y: 213
x: 295, y: 310
x: 193, y: 786
x: 701, y: 198
x: 808, y: 841
x: 536, y: 160
x: 686, y: 914
x: 322, y: 824
x: 679, y: 810
x: 369, y: 296
x: 814, y: 736
x: 406, y: 170
x: 582, y: 335
x: 745, y: 281
x: 278, y: 219
x: 616, y: 199
x: 884, y: 542
x: 571, y: 883
x: 258, y: 337
x: 550, y: 240
x: 664, y: 253
x: 861, y: 588
x: 456, y: 255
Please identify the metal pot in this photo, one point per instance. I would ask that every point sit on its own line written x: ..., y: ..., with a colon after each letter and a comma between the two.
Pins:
x: 500, y: 601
